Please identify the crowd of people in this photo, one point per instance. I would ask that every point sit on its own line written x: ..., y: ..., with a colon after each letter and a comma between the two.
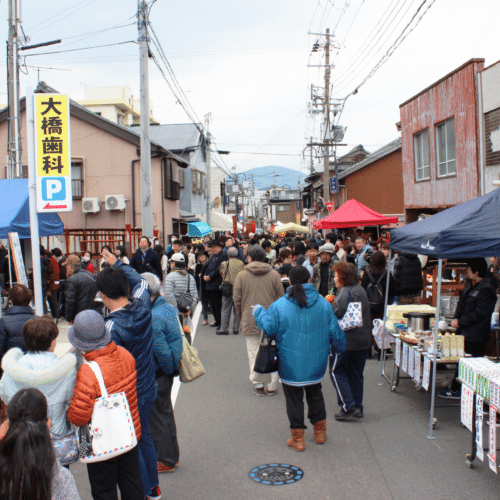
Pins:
x: 129, y: 315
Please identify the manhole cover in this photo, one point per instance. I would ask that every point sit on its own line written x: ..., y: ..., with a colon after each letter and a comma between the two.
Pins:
x: 276, y: 474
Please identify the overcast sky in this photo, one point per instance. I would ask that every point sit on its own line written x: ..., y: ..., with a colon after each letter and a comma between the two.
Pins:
x: 246, y: 63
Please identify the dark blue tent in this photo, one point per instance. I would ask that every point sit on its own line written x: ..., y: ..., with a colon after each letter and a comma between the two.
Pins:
x: 14, y: 212
x: 471, y: 229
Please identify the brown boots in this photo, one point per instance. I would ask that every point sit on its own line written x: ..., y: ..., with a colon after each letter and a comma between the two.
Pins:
x: 320, y: 432
x: 297, y: 441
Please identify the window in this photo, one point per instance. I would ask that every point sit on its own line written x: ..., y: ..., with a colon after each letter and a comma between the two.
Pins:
x: 200, y: 182
x: 167, y: 178
x: 283, y: 208
x: 445, y: 148
x: 194, y: 179
x: 77, y: 178
x: 180, y: 174
x: 421, y: 156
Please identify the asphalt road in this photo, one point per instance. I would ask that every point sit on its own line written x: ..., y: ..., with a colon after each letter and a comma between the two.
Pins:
x: 225, y: 431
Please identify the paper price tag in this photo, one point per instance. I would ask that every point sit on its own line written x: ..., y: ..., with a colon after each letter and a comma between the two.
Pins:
x: 427, y: 373
x: 405, y: 358
x: 417, y: 367
x: 492, y: 453
x: 411, y: 361
x: 466, y: 406
x: 397, y: 358
x: 479, y: 428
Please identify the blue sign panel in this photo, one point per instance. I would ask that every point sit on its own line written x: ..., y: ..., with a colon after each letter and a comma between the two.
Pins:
x: 53, y: 188
x: 334, y: 187
x: 226, y: 200
x: 298, y: 205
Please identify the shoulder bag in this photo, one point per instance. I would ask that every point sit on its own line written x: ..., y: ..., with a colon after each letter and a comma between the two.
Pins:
x: 353, y: 317
x: 111, y: 430
x: 190, y: 367
x: 185, y: 301
x: 226, y: 287
x: 266, y: 360
x: 66, y: 446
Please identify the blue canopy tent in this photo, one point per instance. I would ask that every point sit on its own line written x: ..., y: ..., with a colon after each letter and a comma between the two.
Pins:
x: 471, y: 229
x: 198, y: 229
x: 14, y: 212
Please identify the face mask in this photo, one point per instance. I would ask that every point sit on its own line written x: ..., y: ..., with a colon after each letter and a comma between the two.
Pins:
x: 86, y: 259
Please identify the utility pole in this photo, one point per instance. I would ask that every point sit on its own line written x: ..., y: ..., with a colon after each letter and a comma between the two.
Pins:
x: 14, y: 128
x: 146, y: 187
x: 312, y: 161
x: 208, y: 190
x: 326, y: 159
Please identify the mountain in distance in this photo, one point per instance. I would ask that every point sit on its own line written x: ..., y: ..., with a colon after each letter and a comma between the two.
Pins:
x: 265, y: 177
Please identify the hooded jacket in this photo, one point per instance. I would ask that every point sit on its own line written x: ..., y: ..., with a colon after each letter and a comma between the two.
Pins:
x: 131, y: 327
x: 118, y: 371
x: 474, y: 310
x: 407, y: 274
x: 257, y: 284
x: 80, y: 293
x: 176, y: 284
x: 11, y: 327
x: 167, y: 338
x: 304, y: 336
x: 46, y: 372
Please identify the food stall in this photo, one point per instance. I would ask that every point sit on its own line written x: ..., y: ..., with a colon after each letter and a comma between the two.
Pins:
x: 468, y: 230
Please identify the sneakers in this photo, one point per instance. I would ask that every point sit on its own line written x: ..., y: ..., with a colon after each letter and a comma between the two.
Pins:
x: 164, y: 468
x: 271, y: 393
x: 353, y: 411
x: 259, y: 390
x: 155, y: 493
x: 219, y: 332
x: 236, y: 332
x: 449, y: 394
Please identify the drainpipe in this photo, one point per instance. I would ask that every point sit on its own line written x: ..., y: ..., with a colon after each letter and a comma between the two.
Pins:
x: 133, y: 190
x: 481, y: 133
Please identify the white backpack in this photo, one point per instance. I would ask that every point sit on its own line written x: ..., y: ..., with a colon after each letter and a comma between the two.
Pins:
x: 111, y: 430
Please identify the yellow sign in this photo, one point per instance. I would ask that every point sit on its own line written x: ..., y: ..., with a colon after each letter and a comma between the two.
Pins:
x: 298, y: 218
x: 53, y: 155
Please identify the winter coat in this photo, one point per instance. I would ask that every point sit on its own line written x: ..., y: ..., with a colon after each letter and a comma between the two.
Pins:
x: 257, y: 284
x: 235, y: 267
x: 316, y: 277
x: 88, y: 266
x: 365, y: 281
x: 176, y: 284
x: 80, y: 292
x: 118, y: 371
x: 46, y: 372
x: 52, y: 275
x: 11, y: 327
x: 167, y: 338
x: 147, y: 262
x: 304, y: 336
x: 360, y: 260
x: 474, y: 310
x: 44, y: 264
x: 407, y: 273
x: 357, y: 339
x: 131, y: 327
x: 212, y: 270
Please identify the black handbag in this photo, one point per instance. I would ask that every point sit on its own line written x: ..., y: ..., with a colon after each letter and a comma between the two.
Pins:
x: 226, y: 287
x: 185, y: 301
x: 266, y: 360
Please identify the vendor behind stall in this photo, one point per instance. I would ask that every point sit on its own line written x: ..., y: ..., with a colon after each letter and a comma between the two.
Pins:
x: 473, y: 314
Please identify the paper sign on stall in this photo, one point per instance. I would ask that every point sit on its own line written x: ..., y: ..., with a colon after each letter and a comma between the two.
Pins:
x: 397, y: 359
x: 466, y: 406
x: 492, y: 453
x: 479, y: 428
x: 411, y: 361
x: 405, y: 358
x: 427, y: 373
x: 417, y: 368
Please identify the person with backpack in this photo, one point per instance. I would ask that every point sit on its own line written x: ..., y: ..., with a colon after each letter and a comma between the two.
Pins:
x: 374, y: 282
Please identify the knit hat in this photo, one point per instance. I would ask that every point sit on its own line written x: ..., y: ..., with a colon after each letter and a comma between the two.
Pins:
x: 72, y: 260
x: 88, y: 331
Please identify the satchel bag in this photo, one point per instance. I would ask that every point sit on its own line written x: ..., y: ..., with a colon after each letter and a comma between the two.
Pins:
x: 353, y: 317
x: 111, y: 431
x: 226, y: 287
x: 190, y: 367
x: 185, y: 301
x: 66, y: 446
x: 266, y: 360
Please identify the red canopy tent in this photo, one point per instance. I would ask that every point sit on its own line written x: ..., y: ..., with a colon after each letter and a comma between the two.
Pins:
x: 351, y: 214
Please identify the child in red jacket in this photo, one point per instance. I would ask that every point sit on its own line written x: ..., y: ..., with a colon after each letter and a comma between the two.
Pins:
x: 90, y: 336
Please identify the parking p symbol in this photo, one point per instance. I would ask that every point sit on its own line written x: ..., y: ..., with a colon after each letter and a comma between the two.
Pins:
x: 53, y: 188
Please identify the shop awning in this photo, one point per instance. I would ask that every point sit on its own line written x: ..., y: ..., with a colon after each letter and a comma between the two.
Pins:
x: 198, y: 229
x: 291, y: 226
x: 14, y: 212
x: 352, y: 214
x: 222, y: 222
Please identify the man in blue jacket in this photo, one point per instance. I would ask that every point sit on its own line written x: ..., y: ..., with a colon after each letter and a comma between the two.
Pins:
x: 213, y: 279
x: 130, y: 325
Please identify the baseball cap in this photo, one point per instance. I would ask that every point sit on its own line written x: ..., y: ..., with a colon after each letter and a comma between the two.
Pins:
x: 177, y: 257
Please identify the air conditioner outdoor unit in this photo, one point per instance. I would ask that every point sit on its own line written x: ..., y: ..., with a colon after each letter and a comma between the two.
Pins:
x: 114, y: 202
x: 90, y: 205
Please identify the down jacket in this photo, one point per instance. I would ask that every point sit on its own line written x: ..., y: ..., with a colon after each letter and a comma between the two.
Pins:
x: 407, y: 273
x: 474, y: 310
x: 118, y: 371
x: 176, y: 284
x: 80, y: 292
x: 304, y: 336
x: 46, y: 372
x: 257, y: 284
x: 131, y: 327
x: 167, y: 338
x: 11, y: 327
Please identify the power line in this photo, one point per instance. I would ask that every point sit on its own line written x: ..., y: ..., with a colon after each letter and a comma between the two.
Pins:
x: 84, y: 48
